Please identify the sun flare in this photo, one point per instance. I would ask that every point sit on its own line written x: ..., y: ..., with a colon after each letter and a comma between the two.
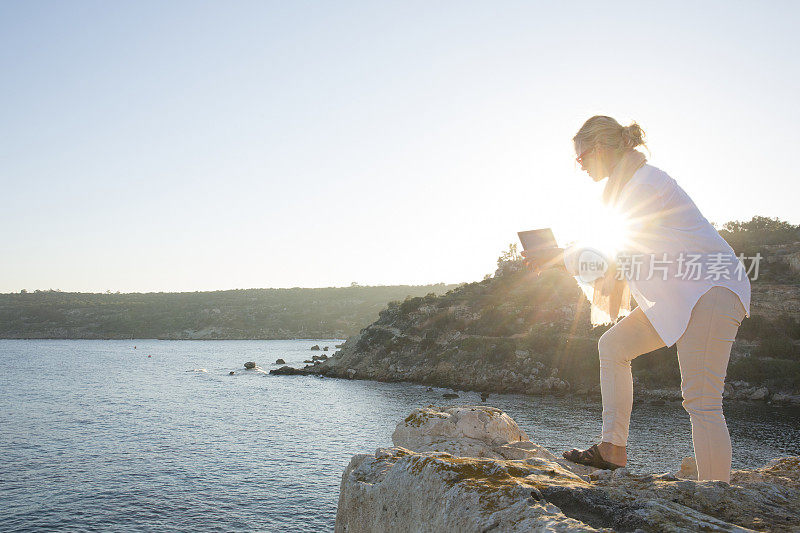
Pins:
x: 605, y: 230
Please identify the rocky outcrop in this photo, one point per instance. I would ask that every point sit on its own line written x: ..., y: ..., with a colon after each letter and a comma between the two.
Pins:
x: 466, y: 340
x: 477, y: 431
x: 473, y: 469
x: 514, y: 333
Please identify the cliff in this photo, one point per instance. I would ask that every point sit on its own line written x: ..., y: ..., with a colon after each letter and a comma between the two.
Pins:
x: 516, y: 333
x: 473, y: 469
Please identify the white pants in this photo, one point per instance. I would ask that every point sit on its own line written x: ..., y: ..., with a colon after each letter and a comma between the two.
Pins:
x: 703, y: 353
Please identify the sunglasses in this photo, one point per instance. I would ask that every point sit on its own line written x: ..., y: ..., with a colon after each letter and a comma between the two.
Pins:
x: 579, y: 159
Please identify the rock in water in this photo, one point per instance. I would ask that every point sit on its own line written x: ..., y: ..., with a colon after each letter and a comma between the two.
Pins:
x: 250, y: 365
x: 280, y: 362
x: 289, y: 371
x: 315, y: 347
x: 450, y: 395
x: 472, y: 468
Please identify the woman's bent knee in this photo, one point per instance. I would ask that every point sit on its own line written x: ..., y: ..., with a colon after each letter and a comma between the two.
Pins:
x: 605, y: 347
x: 609, y: 347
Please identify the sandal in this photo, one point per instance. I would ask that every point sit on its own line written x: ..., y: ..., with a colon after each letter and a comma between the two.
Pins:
x: 590, y: 457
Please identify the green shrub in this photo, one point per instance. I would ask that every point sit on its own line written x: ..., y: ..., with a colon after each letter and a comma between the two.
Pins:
x: 410, y: 305
x: 780, y: 373
x: 440, y: 322
x: 759, y: 327
x: 542, y: 339
x: 501, y: 351
x: 493, y: 322
x: 747, y: 236
x: 788, y: 325
x: 428, y: 341
x: 756, y: 327
x: 488, y: 349
x: 373, y: 337
x: 777, y: 347
x: 398, y: 343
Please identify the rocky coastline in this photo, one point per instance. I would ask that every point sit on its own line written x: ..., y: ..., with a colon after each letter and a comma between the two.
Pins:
x: 471, y: 468
x: 737, y: 391
x: 512, y: 333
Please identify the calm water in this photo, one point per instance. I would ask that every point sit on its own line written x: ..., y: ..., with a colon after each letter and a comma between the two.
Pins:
x: 95, y: 435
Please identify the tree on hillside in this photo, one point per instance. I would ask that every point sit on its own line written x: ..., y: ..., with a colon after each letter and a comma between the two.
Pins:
x: 509, y: 255
x: 747, y: 236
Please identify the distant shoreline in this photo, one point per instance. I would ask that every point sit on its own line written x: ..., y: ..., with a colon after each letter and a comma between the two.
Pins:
x: 170, y: 339
x: 252, y: 314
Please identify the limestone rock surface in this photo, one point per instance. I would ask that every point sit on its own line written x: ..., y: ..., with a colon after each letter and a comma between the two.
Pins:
x: 471, y: 431
x: 471, y: 468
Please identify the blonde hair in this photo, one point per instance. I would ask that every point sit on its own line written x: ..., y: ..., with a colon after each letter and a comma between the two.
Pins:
x: 608, y: 132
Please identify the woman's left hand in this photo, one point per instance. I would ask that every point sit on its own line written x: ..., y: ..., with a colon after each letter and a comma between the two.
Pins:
x: 544, y: 259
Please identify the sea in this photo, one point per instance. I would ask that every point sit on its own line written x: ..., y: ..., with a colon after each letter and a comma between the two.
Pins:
x: 150, y: 435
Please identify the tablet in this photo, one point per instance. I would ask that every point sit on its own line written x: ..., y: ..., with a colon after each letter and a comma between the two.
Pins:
x: 537, y: 239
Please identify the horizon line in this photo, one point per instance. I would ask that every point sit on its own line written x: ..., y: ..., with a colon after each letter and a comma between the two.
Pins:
x: 351, y: 286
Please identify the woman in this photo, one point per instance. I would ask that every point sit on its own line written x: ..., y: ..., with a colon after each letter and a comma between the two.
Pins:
x: 689, y: 285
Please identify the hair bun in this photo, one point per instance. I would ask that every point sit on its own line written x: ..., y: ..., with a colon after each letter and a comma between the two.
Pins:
x: 606, y: 131
x: 632, y: 136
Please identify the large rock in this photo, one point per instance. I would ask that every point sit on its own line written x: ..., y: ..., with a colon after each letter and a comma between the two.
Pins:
x: 469, y: 431
x: 430, y: 488
x: 399, y: 490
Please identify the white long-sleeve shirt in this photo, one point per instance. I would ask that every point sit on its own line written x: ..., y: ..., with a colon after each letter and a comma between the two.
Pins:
x: 670, y: 242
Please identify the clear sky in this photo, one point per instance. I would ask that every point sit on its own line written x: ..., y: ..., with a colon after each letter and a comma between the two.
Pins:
x: 165, y: 146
